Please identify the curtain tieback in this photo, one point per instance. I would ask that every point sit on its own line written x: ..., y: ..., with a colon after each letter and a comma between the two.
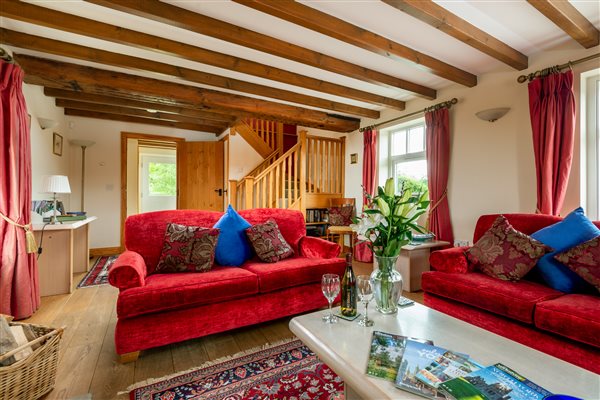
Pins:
x: 29, y: 237
x: 433, y: 207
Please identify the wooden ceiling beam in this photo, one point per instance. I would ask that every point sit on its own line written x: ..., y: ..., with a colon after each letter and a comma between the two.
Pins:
x: 42, y: 16
x: 451, y: 24
x: 182, y: 18
x: 142, y: 120
x: 143, y: 105
x: 38, y: 43
x: 570, y: 20
x: 61, y: 75
x: 308, y: 17
x: 136, y: 112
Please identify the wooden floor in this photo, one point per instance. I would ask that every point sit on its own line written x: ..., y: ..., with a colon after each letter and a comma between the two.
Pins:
x: 88, y: 362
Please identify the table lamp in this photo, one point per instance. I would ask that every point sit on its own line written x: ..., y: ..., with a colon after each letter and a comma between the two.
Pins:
x: 55, y: 184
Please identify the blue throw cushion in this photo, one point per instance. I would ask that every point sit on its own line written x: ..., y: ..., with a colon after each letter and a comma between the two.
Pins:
x: 574, y: 229
x: 233, y: 247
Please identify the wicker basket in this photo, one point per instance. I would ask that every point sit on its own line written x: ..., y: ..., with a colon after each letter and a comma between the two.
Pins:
x: 33, y: 376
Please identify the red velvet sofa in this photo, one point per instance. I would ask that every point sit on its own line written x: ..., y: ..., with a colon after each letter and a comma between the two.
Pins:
x: 566, y: 326
x: 155, y: 309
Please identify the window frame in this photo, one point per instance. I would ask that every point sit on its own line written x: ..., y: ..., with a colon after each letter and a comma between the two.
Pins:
x: 590, y: 143
x: 393, y: 160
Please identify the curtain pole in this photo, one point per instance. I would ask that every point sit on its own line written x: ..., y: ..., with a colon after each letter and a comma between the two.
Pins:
x: 443, y: 104
x: 556, y: 68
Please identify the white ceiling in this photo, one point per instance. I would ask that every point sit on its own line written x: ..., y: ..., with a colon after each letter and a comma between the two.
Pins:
x: 516, y: 23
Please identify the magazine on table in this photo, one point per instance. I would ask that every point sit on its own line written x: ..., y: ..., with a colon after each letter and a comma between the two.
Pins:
x: 448, y: 366
x: 417, y: 356
x: 386, y: 354
x: 496, y: 382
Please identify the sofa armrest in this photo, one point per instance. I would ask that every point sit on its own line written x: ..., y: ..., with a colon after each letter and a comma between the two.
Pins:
x: 128, y: 271
x: 314, y: 247
x: 450, y: 260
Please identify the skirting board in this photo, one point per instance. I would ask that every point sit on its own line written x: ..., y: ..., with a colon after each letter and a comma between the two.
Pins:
x: 105, y: 251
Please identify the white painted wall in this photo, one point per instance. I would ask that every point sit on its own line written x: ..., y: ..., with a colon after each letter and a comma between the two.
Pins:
x: 43, y: 161
x: 242, y: 157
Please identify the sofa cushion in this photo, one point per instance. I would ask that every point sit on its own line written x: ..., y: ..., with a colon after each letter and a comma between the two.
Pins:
x: 173, y: 291
x: 575, y: 316
x: 574, y: 229
x: 233, y: 247
x: 293, y: 271
x: 505, y: 253
x: 511, y: 299
x: 187, y: 249
x: 268, y: 243
x: 584, y: 260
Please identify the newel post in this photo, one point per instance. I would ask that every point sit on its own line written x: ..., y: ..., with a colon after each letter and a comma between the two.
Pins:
x: 249, y: 193
x: 232, y: 192
x: 302, y: 167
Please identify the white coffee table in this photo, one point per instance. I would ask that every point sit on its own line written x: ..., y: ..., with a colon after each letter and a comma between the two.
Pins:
x: 344, y: 347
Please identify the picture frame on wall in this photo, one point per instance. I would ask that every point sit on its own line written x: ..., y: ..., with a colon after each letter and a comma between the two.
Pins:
x: 57, y: 144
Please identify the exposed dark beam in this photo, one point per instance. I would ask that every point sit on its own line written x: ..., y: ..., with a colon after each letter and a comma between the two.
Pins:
x: 570, y: 20
x: 136, y: 112
x: 182, y: 18
x: 61, y: 75
x: 451, y: 24
x: 329, y: 25
x: 142, y: 120
x: 143, y: 105
x: 42, y: 16
x: 32, y: 42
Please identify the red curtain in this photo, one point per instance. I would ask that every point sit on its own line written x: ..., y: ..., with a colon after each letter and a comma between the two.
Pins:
x: 369, y: 172
x: 552, y: 112
x: 438, y: 162
x: 361, y: 250
x: 19, y: 292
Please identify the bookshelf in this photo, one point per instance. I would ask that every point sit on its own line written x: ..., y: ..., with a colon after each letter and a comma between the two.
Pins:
x: 316, y: 222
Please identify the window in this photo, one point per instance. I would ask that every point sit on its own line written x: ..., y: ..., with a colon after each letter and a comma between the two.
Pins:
x: 407, y: 160
x: 590, y: 143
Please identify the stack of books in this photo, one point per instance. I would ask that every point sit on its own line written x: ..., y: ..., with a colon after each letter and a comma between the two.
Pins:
x: 420, y: 367
x: 69, y: 217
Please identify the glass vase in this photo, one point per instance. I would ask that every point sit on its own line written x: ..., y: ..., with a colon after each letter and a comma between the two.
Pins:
x: 387, y: 284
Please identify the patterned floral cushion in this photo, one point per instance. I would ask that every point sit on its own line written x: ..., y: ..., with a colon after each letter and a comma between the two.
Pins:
x: 188, y: 249
x: 584, y: 260
x: 340, y: 216
x: 505, y: 253
x: 268, y: 242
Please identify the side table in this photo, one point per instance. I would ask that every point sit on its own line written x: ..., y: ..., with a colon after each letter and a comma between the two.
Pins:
x: 413, y: 261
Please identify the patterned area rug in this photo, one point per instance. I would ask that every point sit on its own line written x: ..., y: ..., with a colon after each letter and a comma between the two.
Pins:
x: 98, y: 275
x: 287, y: 370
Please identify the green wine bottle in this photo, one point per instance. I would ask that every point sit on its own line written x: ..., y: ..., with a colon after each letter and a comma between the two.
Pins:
x: 349, y: 295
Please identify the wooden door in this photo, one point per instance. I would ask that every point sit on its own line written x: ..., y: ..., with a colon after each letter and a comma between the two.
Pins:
x: 200, y: 173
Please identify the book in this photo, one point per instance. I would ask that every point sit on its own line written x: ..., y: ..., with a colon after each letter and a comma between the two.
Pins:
x: 416, y: 357
x: 386, y: 354
x: 66, y: 218
x: 495, y: 382
x: 448, y: 366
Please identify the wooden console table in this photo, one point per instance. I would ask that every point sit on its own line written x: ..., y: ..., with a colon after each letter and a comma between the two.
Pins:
x: 413, y: 261
x: 65, y: 250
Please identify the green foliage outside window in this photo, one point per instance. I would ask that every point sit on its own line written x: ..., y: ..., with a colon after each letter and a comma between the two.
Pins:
x: 162, y: 179
x: 413, y: 185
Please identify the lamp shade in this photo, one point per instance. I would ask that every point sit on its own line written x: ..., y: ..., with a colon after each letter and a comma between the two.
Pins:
x: 56, y: 184
x: 492, y: 114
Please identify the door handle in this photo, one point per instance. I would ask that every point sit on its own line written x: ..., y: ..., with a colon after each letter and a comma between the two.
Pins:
x: 219, y: 191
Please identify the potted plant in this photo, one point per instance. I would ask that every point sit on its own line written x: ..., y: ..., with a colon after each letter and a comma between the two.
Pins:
x: 386, y: 225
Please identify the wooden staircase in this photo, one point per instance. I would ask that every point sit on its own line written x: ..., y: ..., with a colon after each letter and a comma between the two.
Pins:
x: 306, y: 176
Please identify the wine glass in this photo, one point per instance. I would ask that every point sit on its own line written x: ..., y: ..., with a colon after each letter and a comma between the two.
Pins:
x: 330, y: 285
x: 365, y: 294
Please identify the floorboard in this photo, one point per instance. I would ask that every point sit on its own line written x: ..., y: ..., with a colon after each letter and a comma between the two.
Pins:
x: 89, y: 364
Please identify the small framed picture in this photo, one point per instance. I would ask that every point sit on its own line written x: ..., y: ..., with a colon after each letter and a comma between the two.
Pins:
x: 57, y: 144
x: 353, y: 158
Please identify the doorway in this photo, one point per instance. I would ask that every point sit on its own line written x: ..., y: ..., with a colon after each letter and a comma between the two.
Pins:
x: 167, y: 173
